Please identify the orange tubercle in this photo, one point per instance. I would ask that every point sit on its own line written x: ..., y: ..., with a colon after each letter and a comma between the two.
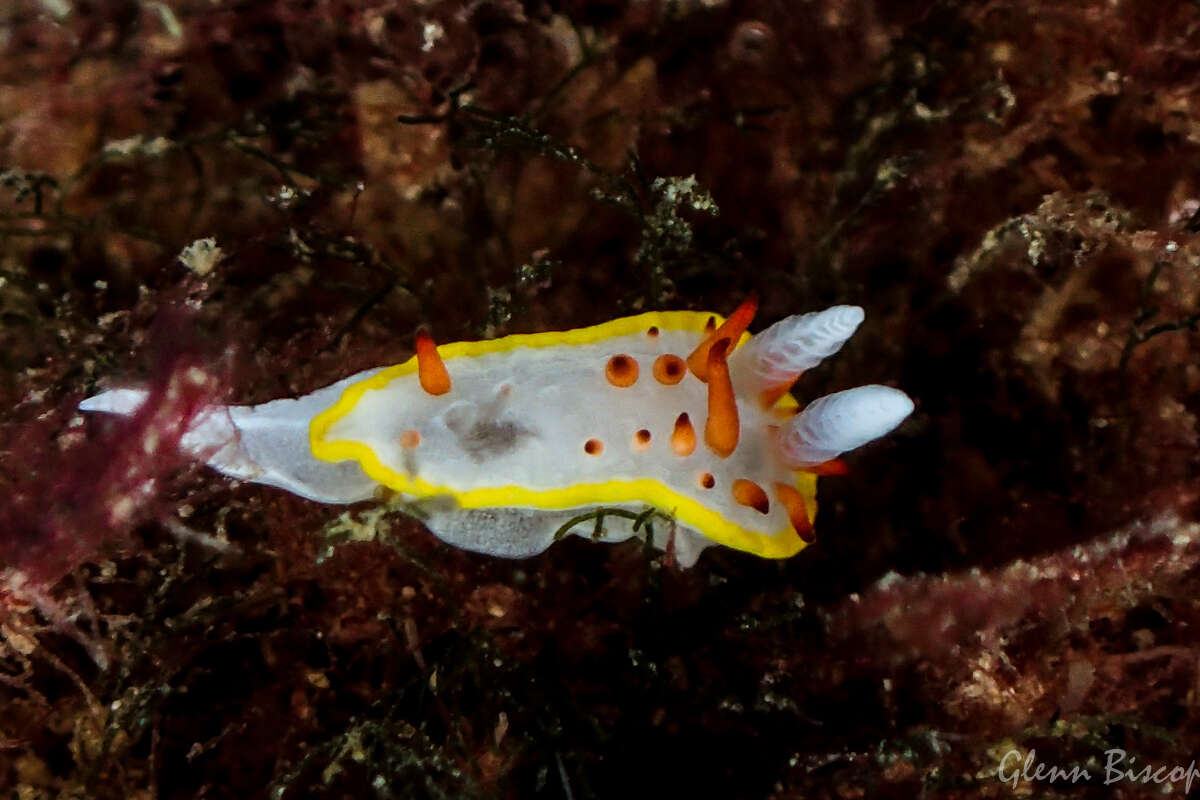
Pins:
x: 749, y: 493
x: 832, y: 467
x: 732, y: 329
x: 431, y: 370
x: 669, y: 369
x: 410, y: 439
x: 641, y: 440
x: 622, y: 370
x: 721, y: 429
x: 797, y: 511
x: 683, y: 438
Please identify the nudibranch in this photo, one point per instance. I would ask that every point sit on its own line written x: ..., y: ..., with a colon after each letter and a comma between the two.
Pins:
x: 497, y: 445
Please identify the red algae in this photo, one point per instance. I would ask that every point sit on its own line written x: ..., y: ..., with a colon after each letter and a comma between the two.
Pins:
x: 70, y: 495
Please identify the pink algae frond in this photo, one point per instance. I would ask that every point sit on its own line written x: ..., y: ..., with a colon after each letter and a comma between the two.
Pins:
x: 71, y: 498
x: 70, y: 495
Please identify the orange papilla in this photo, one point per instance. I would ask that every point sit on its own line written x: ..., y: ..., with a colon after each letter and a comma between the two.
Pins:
x: 669, y: 369
x: 683, y: 438
x: 431, y: 370
x: 834, y: 466
x: 621, y: 370
x: 732, y: 329
x: 721, y: 429
x: 797, y: 511
x: 749, y: 493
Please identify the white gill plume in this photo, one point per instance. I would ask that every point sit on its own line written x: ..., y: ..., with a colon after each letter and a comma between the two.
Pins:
x: 836, y: 423
x: 777, y: 356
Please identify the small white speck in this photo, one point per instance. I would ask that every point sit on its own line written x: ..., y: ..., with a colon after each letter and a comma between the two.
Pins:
x: 121, y: 511
x: 201, y: 256
x: 59, y: 9
x: 431, y: 32
x: 137, y: 145
x: 197, y: 376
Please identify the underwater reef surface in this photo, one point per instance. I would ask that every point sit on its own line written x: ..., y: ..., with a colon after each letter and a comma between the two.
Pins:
x: 242, y: 200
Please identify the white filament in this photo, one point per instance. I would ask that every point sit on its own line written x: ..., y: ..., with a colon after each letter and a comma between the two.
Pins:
x: 116, y: 401
x: 799, y: 342
x: 836, y: 423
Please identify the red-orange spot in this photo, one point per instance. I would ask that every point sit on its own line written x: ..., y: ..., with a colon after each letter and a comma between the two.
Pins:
x: 669, y: 369
x: 431, y: 370
x: 706, y: 480
x: 721, y: 429
x: 641, y: 440
x: 683, y: 438
x: 832, y: 467
x: 793, y: 501
x: 622, y: 370
x: 410, y: 439
x: 749, y: 493
x: 732, y: 330
x: 652, y: 331
x: 593, y: 447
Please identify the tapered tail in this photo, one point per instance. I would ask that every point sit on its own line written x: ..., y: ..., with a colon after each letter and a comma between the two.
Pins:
x: 265, y: 444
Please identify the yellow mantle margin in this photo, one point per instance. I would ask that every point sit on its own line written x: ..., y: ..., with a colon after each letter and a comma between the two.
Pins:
x: 783, y: 544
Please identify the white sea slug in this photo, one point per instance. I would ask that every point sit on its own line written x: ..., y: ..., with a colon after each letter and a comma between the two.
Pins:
x: 498, y: 445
